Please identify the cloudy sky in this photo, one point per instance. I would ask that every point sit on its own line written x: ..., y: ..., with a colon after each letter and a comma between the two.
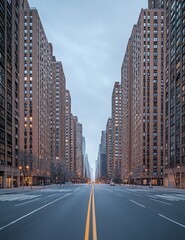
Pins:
x: 89, y: 37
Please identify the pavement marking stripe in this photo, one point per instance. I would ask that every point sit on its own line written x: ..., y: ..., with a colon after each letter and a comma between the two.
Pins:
x: 128, y: 191
x: 161, y: 201
x: 36, y: 210
x: 119, y: 195
x: 54, y: 194
x: 109, y: 190
x: 76, y: 190
x: 171, y: 220
x: 94, y: 217
x: 137, y: 203
x: 27, y: 202
x: 88, y: 218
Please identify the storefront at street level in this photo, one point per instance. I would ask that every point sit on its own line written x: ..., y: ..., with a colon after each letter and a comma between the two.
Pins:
x: 174, y: 177
x: 9, y: 177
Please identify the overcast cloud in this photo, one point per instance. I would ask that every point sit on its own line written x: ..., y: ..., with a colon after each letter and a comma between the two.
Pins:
x: 89, y: 37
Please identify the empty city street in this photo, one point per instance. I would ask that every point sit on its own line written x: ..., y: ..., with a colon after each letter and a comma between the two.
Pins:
x: 92, y: 212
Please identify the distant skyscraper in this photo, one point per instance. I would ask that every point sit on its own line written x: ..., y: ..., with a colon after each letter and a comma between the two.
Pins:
x: 98, y: 164
x: 103, y: 155
x: 9, y: 93
x: 35, y: 82
x: 156, y: 4
x: 174, y: 173
x: 143, y: 99
x: 116, y: 131
x: 109, y: 148
x: 101, y: 168
x: 96, y: 169
x: 87, y: 168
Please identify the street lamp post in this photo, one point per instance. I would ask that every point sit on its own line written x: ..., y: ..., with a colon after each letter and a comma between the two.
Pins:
x: 20, y: 177
x: 27, y: 168
x: 130, y: 175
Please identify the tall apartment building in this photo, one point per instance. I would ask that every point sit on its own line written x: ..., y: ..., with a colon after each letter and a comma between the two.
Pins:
x: 57, y: 115
x: 76, y: 151
x: 109, y: 148
x: 79, y: 155
x: 35, y: 82
x: 68, y: 131
x: 116, y: 131
x: 74, y: 121
x: 174, y: 173
x: 84, y: 155
x: 9, y: 93
x: 143, y: 99
x: 126, y: 88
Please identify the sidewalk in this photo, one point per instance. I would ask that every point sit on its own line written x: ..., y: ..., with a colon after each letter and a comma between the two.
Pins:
x: 24, y: 189
x: 157, y: 188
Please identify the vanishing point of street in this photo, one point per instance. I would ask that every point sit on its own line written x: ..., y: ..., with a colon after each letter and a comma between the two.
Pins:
x: 92, y: 211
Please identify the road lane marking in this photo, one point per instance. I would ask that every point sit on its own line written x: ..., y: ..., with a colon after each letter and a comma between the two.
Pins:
x: 137, y: 203
x: 135, y: 194
x: 153, y: 199
x: 119, y: 195
x: 171, y: 220
x: 76, y: 190
x: 30, y: 213
x: 128, y: 191
x: 94, y: 230
x: 88, y: 218
x: 26, y: 202
x: 109, y: 190
x: 57, y: 190
x: 54, y: 194
x: 94, y: 217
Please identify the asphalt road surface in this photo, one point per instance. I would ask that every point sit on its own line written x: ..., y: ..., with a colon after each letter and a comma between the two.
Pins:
x: 92, y: 212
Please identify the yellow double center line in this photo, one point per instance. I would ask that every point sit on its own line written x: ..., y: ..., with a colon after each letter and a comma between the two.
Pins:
x: 91, y: 199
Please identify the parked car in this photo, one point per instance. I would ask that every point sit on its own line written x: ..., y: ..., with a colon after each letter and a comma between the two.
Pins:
x: 112, y: 184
